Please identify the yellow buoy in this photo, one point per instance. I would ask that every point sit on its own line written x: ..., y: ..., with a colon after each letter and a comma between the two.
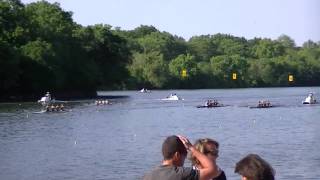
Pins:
x: 184, y: 73
x: 290, y: 78
x: 234, y: 76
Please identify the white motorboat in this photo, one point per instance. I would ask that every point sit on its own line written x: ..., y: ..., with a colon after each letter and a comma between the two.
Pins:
x: 310, y: 99
x: 143, y: 90
x: 172, y: 97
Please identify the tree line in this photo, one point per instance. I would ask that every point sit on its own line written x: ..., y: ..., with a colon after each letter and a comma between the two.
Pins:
x: 42, y: 48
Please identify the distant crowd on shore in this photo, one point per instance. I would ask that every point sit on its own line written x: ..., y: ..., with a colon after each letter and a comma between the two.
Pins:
x: 203, y: 155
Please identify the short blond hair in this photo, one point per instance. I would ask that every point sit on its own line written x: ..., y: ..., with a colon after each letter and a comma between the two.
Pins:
x: 200, y: 145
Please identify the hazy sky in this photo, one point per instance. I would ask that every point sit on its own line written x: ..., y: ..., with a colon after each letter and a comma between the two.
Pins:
x: 298, y: 19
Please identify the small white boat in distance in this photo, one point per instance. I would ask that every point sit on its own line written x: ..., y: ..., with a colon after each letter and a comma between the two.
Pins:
x: 310, y: 99
x: 172, y: 97
x: 143, y: 90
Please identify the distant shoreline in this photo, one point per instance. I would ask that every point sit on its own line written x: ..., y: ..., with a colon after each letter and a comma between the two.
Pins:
x: 94, y: 95
x: 55, y: 95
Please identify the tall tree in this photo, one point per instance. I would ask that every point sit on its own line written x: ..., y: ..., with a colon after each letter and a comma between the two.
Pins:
x: 286, y: 41
x: 149, y: 69
x: 109, y: 52
x: 202, y: 47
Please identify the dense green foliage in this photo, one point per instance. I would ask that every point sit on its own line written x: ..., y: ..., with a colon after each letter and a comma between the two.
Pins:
x: 42, y: 48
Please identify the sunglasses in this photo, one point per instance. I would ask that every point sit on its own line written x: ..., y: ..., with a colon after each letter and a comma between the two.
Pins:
x: 213, y: 153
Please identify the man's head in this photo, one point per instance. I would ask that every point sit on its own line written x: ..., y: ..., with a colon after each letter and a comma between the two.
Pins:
x: 174, y: 150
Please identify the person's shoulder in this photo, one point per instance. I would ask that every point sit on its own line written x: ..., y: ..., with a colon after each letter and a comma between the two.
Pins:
x: 159, y: 172
x: 172, y: 172
x: 222, y: 176
x: 153, y: 173
x: 184, y: 173
x: 189, y: 173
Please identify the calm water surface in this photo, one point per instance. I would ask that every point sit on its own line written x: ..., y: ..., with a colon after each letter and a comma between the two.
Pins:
x: 123, y: 140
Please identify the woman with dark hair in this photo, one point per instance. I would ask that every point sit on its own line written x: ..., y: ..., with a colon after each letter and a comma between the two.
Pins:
x: 210, y: 148
x: 253, y: 167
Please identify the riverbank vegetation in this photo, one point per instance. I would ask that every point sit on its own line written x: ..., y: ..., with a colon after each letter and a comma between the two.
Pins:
x: 42, y: 48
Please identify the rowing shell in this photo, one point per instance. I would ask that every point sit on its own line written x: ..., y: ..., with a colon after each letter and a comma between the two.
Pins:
x: 209, y: 106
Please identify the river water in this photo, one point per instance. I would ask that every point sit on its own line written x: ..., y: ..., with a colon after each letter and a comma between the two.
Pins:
x: 123, y: 140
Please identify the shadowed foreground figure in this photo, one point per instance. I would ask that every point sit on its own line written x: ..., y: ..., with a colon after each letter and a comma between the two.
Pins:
x: 174, y: 151
x: 253, y: 167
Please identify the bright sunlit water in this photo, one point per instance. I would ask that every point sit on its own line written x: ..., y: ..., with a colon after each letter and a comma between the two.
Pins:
x: 123, y: 140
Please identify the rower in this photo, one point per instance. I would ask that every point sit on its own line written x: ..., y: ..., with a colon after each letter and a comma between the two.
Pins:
x: 48, y: 109
x: 47, y: 98
x: 268, y: 103
x: 61, y: 107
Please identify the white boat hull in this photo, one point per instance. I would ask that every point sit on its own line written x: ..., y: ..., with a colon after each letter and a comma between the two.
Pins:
x: 172, y: 98
x: 309, y: 100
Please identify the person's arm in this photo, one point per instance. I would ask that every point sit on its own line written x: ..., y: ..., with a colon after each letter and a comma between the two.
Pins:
x: 209, y: 169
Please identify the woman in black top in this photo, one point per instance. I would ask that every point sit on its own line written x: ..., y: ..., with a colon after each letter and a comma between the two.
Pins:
x: 209, y: 147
